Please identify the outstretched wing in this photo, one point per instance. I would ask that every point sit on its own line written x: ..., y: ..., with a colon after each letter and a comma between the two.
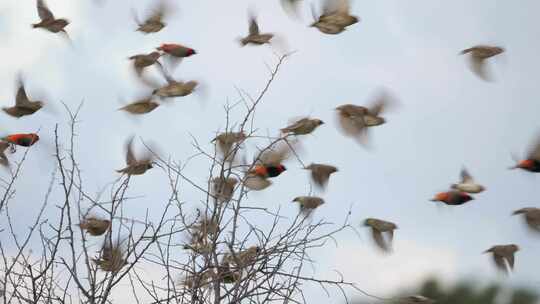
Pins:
x: 43, y: 11
x: 253, y: 27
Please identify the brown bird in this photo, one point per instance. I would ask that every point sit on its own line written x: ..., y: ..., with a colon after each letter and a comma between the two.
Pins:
x: 226, y: 140
x: 308, y: 203
x: 228, y: 276
x: 198, y: 280
x: 378, y: 227
x: 154, y: 23
x: 175, y: 88
x: 303, y: 126
x: 23, y: 105
x: 467, y: 183
x: 335, y: 17
x: 478, y: 56
x: 95, y: 226
x: 111, y: 258
x: 223, y: 188
x: 320, y: 173
x: 243, y: 258
x: 134, y: 166
x: 416, y: 299
x: 139, y: 107
x: 452, y: 197
x: 531, y: 216
x: 3, y: 158
x: 532, y: 162
x: 141, y: 61
x: 254, y: 36
x: 503, y: 254
x: 48, y: 21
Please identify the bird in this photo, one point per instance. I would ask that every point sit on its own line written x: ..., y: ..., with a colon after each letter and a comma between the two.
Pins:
x: 140, y: 107
x: 415, y: 299
x: 175, y: 88
x: 378, y: 227
x: 320, y: 173
x: 21, y: 139
x: 452, y: 197
x: 308, y: 203
x: 243, y: 258
x: 111, y: 258
x: 154, y: 23
x: 478, y: 56
x: 223, y: 188
x: 23, y: 105
x: 467, y: 183
x: 531, y: 216
x: 303, y: 126
x: 141, y: 61
x: 226, y: 140
x: 175, y: 53
x: 95, y: 226
x: 48, y: 21
x: 532, y: 162
x: 136, y: 166
x: 3, y: 158
x: 503, y: 254
x: 254, y: 36
x: 335, y: 17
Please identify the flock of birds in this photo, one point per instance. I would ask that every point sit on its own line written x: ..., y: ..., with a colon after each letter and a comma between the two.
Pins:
x: 354, y: 121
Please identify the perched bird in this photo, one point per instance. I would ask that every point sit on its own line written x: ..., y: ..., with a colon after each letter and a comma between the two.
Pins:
x: 228, y: 276
x: 303, y: 126
x: 141, y: 61
x: 378, y: 227
x: 254, y: 36
x: 226, y: 140
x: 3, y: 158
x: 308, y: 203
x: 21, y: 139
x: 452, y: 197
x: 23, y: 105
x: 134, y: 166
x: 531, y: 216
x: 532, y: 162
x: 199, y: 233
x: 503, y: 254
x: 95, y: 226
x: 320, y: 173
x: 154, y: 23
x: 243, y: 258
x: 139, y: 107
x: 223, y: 188
x: 197, y: 280
x: 467, y: 183
x: 335, y: 17
x: 416, y: 299
x: 111, y: 258
x: 48, y: 21
x: 478, y: 56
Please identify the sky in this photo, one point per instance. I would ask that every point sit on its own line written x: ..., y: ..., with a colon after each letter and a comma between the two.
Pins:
x: 447, y: 118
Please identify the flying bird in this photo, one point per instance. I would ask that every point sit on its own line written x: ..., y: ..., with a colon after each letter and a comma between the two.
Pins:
x: 95, y: 226
x: 226, y: 140
x: 175, y: 88
x: 503, y: 254
x: 48, y: 21
x: 308, y: 203
x: 467, y: 183
x: 243, y: 258
x: 223, y: 188
x: 378, y: 227
x: 154, y: 23
x: 112, y: 258
x: 303, y: 126
x: 23, y: 105
x: 531, y: 216
x: 142, y: 61
x: 478, y: 56
x: 335, y: 17
x: 136, y: 166
x: 254, y: 36
x: 175, y: 53
x: 140, y: 107
x: 532, y: 162
x: 320, y: 173
x: 452, y: 197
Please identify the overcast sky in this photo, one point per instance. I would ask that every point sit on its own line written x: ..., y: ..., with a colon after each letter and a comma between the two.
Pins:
x: 447, y: 118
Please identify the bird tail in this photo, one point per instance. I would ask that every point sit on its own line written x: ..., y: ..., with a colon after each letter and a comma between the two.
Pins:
x: 465, y: 51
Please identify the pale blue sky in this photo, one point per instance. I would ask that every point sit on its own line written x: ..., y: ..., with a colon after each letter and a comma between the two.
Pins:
x: 447, y: 118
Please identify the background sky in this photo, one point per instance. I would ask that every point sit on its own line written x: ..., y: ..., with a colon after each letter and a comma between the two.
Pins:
x: 447, y: 118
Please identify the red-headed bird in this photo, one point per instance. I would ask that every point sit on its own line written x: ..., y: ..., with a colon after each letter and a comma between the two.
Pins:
x: 21, y: 139
x: 532, y: 162
x: 452, y: 198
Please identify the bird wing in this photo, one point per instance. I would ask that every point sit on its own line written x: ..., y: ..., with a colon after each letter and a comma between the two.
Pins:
x: 379, y: 104
x: 499, y: 262
x: 335, y: 7
x: 320, y: 176
x: 478, y: 67
x: 534, y: 150
x: 276, y: 154
x: 511, y: 260
x: 21, y: 98
x: 466, y: 178
x: 157, y: 14
x: 43, y: 11
x: 253, y: 27
x: 379, y: 239
x: 256, y: 183
x: 351, y: 125
x: 130, y: 157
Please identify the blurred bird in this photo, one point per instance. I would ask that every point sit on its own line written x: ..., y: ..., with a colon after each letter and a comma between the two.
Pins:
x: 478, y: 55
x: 3, y: 158
x: 532, y: 163
x: 531, y: 216
x: 378, y: 227
x: 134, y: 166
x: 154, y: 23
x: 226, y: 140
x: 308, y: 203
x: 139, y: 107
x: 175, y: 88
x: 141, y: 61
x: 243, y: 258
x: 95, y: 226
x: 198, y: 280
x: 223, y: 188
x: 303, y: 126
x: 226, y: 275
x: 467, y: 183
x: 175, y: 53
x: 111, y: 258
x: 320, y: 173
x: 254, y: 36
x: 416, y: 299
x: 452, y: 197
x: 48, y: 21
x: 21, y: 139
x: 503, y: 254
x: 335, y: 17
x: 23, y: 105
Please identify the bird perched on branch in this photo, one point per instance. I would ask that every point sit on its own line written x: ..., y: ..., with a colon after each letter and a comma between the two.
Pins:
x: 531, y: 216
x: 223, y: 188
x: 136, y: 166
x: 378, y: 227
x: 243, y: 258
x: 320, y: 173
x: 503, y: 255
x: 467, y: 183
x: 48, y: 21
x: 303, y: 126
x: 95, y: 226
x: 478, y: 56
x: 23, y: 105
x: 21, y: 139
